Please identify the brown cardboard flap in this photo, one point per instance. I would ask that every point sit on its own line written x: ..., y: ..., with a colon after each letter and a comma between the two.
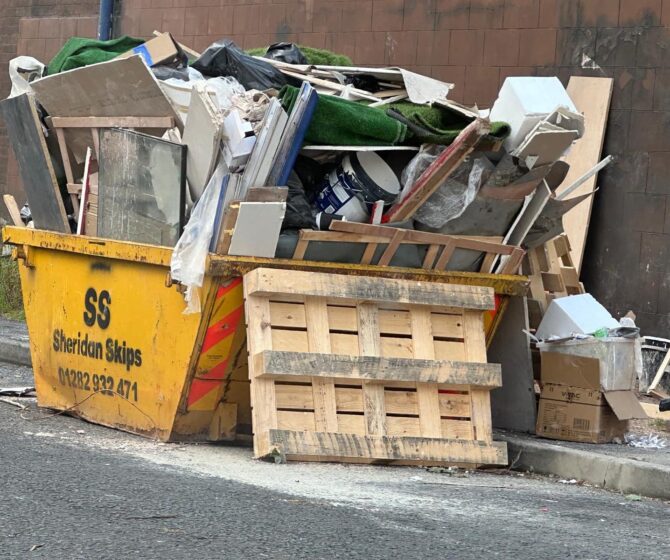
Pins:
x: 565, y: 369
x: 625, y: 405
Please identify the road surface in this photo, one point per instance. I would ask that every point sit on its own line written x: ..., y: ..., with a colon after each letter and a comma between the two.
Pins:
x: 74, y: 490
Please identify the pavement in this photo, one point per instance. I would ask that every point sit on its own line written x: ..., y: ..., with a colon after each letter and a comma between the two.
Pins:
x: 77, y: 490
x: 619, y: 468
x: 14, y: 342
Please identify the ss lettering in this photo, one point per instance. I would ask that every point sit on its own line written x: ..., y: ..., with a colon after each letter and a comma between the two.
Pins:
x: 100, y: 312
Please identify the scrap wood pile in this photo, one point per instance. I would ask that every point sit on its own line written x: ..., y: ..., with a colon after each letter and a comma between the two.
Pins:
x: 273, y: 156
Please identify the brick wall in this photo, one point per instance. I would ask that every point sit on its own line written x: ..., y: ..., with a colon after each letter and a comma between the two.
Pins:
x: 37, y: 28
x: 476, y: 44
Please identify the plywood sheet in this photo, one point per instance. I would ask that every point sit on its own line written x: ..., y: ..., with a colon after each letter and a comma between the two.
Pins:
x: 118, y: 88
x: 592, y: 97
x: 37, y: 173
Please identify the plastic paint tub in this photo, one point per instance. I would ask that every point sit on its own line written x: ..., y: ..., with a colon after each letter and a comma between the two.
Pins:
x: 359, y: 181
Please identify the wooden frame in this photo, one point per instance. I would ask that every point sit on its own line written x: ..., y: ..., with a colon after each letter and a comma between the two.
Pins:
x: 60, y: 124
x: 360, y: 369
x: 441, y: 248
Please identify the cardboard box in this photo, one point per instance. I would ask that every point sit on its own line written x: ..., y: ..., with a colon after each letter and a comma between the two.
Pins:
x: 620, y: 362
x: 574, y: 406
x: 158, y: 50
x: 573, y: 421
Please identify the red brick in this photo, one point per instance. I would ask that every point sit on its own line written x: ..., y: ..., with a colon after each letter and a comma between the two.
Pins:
x: 51, y: 47
x: 68, y: 28
x: 481, y: 85
x: 370, y: 48
x: 440, y: 50
x: 424, y: 49
x: 599, y: 13
x: 35, y: 48
x: 501, y: 47
x: 537, y: 47
x: 521, y: 13
x: 29, y: 28
x: 150, y: 20
x: 453, y: 75
x: 300, y: 15
x: 401, y: 48
x: 220, y: 21
x: 272, y: 18
x: 486, y: 14
x: 419, y: 15
x: 342, y: 43
x: 452, y: 14
x: 129, y: 25
x: 466, y: 48
x: 196, y: 21
x: 327, y: 16
x: 87, y: 27
x: 357, y: 16
x: 516, y: 71
x: 558, y: 13
x: 387, y: 15
x: 665, y: 16
x: 246, y: 19
x: 643, y: 89
x: 316, y: 40
x: 173, y: 21
x: 49, y: 28
x: 640, y: 12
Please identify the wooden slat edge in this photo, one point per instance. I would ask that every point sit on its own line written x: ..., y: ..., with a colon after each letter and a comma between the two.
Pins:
x: 271, y: 363
x: 266, y: 282
x: 338, y: 445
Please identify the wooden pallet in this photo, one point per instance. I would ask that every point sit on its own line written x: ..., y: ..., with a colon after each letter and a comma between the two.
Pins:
x: 441, y: 248
x: 365, y: 369
x: 552, y: 275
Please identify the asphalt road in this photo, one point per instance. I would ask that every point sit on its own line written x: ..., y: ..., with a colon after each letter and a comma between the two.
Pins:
x: 74, y: 490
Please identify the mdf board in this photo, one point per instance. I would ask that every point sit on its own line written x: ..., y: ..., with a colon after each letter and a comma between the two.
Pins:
x: 141, y: 188
x: 37, y: 173
x: 341, y: 370
x: 592, y: 97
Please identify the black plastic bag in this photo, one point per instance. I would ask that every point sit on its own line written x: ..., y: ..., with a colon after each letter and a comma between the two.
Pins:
x: 286, y: 52
x: 225, y: 58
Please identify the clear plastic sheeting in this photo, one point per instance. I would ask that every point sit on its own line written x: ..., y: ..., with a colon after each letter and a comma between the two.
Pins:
x: 454, y: 195
x: 190, y: 254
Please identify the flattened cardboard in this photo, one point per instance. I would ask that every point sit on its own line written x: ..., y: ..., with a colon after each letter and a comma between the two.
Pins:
x: 625, y: 405
x: 566, y: 369
x: 586, y: 423
x: 162, y: 48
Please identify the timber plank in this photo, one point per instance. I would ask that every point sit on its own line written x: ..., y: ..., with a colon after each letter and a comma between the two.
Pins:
x: 338, y: 445
x: 272, y: 363
x: 266, y: 282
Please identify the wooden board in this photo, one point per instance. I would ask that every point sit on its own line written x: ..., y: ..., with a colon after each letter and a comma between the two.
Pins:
x: 37, y: 173
x: 13, y: 209
x: 339, y: 373
x: 592, y: 97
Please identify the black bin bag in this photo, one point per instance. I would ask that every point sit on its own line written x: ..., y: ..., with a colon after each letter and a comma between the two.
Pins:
x: 225, y: 58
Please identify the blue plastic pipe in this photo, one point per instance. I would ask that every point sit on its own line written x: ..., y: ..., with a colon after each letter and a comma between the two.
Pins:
x: 105, y: 20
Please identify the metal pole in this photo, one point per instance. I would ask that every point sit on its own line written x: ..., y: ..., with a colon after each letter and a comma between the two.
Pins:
x: 105, y: 20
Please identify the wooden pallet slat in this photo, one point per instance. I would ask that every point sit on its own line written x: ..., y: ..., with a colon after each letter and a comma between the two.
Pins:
x: 356, y: 363
x: 272, y: 363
